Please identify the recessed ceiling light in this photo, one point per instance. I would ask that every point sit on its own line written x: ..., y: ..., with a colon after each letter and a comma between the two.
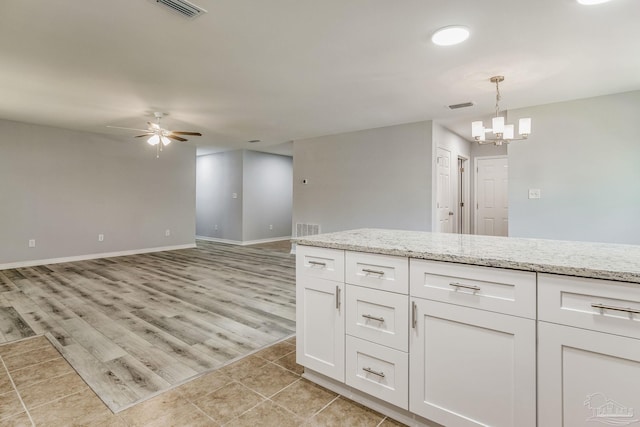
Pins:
x: 590, y: 2
x: 450, y: 35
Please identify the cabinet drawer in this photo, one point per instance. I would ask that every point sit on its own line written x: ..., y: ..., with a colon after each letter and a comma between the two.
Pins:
x: 378, y: 316
x: 487, y: 288
x: 322, y: 263
x: 598, y: 305
x: 379, y: 371
x: 384, y: 272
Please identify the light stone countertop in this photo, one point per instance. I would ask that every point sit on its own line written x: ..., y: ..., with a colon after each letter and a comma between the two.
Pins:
x: 594, y: 260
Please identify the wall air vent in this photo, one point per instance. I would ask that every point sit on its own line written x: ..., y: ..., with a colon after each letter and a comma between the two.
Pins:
x: 303, y: 230
x: 183, y: 8
x: 463, y: 105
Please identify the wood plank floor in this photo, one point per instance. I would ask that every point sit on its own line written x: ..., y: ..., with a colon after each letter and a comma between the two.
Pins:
x: 137, y: 325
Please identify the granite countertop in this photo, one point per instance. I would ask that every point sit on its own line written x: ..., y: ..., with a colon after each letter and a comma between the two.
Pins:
x: 594, y: 260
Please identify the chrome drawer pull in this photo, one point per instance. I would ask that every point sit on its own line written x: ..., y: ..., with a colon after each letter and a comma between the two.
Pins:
x: 460, y: 285
x: 603, y: 307
x: 367, y: 270
x: 368, y: 316
x: 371, y: 371
x: 322, y: 264
x: 414, y: 315
x: 337, y: 297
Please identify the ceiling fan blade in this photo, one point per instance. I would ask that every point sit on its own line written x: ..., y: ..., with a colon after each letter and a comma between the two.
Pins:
x: 118, y: 127
x: 140, y: 136
x: 177, y: 138
x: 179, y: 132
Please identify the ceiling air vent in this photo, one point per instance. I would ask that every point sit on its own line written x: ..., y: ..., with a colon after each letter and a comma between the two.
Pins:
x: 463, y: 105
x: 183, y: 7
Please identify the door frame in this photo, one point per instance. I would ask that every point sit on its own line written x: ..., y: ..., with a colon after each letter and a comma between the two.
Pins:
x: 463, y: 184
x: 475, y: 185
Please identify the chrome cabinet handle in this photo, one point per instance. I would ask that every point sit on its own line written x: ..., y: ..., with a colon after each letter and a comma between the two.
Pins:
x: 368, y: 316
x: 323, y: 264
x: 460, y: 285
x: 603, y: 307
x: 337, y: 297
x: 371, y: 371
x: 414, y: 316
x: 367, y: 270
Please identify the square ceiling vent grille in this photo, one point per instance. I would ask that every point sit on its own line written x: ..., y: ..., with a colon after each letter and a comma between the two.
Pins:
x: 182, y: 7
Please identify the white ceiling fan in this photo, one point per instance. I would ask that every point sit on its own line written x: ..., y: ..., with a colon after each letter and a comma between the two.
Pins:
x: 158, y: 136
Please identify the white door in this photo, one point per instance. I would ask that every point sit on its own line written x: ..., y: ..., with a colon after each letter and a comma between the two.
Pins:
x: 492, y: 207
x: 320, y: 326
x: 587, y: 378
x: 472, y: 367
x: 444, y: 208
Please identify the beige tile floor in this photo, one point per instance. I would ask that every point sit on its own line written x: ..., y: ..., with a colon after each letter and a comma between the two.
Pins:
x: 39, y: 388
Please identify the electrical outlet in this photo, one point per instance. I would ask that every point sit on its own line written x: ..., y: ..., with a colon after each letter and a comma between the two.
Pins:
x: 101, y: 237
x: 32, y: 243
x: 534, y: 193
x: 215, y: 227
x: 234, y: 195
x: 270, y: 226
x: 167, y: 232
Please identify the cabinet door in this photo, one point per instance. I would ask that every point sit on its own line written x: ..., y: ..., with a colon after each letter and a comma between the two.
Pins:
x: 320, y: 326
x: 471, y: 367
x: 587, y: 377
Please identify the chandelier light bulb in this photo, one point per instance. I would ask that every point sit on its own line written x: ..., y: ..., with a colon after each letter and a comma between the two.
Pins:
x: 524, y: 126
x: 154, y: 140
x: 477, y: 129
x: 165, y: 140
x: 498, y: 124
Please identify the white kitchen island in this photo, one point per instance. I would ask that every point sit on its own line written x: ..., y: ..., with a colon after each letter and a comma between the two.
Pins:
x: 463, y: 330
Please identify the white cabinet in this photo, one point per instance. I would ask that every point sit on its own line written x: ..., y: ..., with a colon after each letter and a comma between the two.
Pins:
x: 587, y: 377
x: 588, y: 352
x: 500, y: 290
x: 383, y: 272
x: 471, y: 367
x: 380, y: 371
x: 320, y: 311
x: 377, y: 318
x: 429, y: 341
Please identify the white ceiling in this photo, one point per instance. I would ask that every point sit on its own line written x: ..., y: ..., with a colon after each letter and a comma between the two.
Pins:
x: 281, y: 70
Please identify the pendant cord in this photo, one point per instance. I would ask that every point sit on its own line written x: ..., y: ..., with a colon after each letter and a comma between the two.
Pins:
x: 497, y: 98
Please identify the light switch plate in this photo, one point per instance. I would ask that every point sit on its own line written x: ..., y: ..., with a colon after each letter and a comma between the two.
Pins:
x: 534, y: 193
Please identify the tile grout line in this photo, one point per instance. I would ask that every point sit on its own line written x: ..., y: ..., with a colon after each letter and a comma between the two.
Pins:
x: 17, y: 392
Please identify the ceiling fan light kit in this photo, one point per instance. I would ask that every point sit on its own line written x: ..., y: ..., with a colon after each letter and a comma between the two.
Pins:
x: 504, y: 133
x: 159, y: 137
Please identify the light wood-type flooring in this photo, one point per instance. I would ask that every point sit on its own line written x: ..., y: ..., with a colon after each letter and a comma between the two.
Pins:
x: 135, y: 326
x: 39, y: 388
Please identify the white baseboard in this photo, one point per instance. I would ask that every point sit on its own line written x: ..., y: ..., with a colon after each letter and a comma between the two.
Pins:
x: 243, y: 243
x: 33, y: 263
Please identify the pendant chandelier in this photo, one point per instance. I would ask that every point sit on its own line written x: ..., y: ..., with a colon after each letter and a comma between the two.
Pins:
x: 504, y: 133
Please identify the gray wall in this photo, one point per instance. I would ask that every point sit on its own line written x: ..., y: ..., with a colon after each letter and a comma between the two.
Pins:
x: 218, y: 177
x: 262, y: 182
x: 371, y: 178
x: 584, y: 156
x: 64, y: 187
x: 268, y: 195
